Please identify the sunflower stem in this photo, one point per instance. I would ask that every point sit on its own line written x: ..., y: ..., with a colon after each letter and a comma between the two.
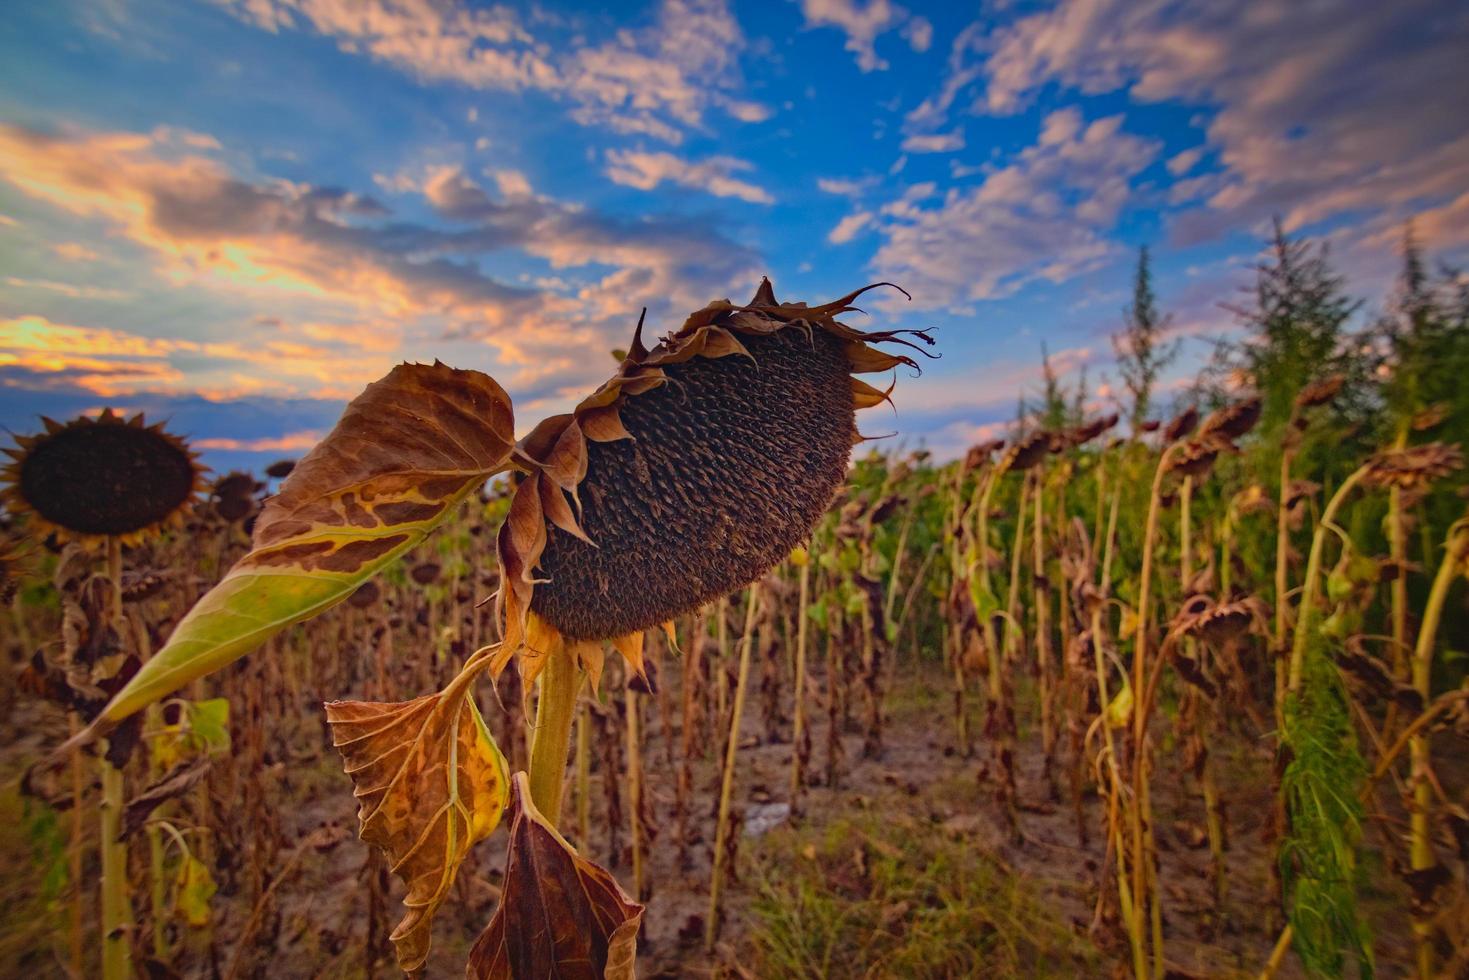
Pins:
x: 554, y: 712
x: 1420, y: 833
x: 721, y: 825
x: 116, y: 911
x: 798, y: 730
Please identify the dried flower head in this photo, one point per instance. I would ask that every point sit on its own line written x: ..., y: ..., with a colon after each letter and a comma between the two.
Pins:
x: 280, y: 469
x: 1414, y: 467
x: 1431, y: 417
x: 1028, y: 452
x: 1088, y: 431
x: 1252, y: 500
x: 1320, y: 392
x: 1232, y: 421
x: 104, y: 477
x: 689, y: 474
x: 1194, y: 459
x: 1182, y: 424
x: 1299, y: 490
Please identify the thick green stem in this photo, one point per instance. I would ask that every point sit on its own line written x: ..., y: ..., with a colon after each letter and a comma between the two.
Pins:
x: 1306, y: 612
x: 1282, y: 588
x: 1420, y: 833
x: 554, y: 713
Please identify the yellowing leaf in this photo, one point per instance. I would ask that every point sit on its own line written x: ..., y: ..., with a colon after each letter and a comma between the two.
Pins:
x: 560, y: 915
x: 430, y: 782
x: 1119, y: 707
x: 195, y: 888
x: 405, y: 452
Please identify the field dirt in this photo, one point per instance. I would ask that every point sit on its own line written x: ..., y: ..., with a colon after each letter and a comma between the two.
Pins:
x: 318, y: 919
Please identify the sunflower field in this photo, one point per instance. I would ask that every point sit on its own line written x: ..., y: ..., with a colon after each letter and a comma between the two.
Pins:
x: 1170, y: 683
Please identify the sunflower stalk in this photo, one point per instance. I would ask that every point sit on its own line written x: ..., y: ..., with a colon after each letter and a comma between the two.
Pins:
x: 1421, y: 854
x: 555, y: 711
x: 117, y: 913
x: 800, y: 737
x: 722, y: 828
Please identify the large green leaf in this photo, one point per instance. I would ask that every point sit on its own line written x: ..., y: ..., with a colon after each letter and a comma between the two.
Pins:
x: 405, y: 453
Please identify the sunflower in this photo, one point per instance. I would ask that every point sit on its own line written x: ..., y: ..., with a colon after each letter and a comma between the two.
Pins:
x: 689, y: 474
x: 103, y: 477
x: 1414, y: 467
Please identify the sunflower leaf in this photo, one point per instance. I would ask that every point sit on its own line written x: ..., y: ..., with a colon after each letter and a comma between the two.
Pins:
x: 560, y: 915
x: 430, y: 783
x: 405, y: 452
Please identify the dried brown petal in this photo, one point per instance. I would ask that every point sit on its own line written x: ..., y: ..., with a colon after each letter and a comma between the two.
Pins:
x: 560, y: 915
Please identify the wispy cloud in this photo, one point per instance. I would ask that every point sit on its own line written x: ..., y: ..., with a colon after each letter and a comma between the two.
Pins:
x: 934, y: 142
x: 848, y: 227
x: 295, y: 442
x: 645, y: 171
x: 864, y: 22
x: 1323, y: 109
x: 656, y: 81
x: 1044, y: 216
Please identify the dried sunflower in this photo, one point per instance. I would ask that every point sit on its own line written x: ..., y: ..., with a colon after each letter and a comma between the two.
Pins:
x: 980, y: 455
x: 1027, y: 453
x: 1182, y: 424
x: 1414, y: 467
x: 1195, y: 459
x: 1232, y: 421
x: 1320, y: 392
x: 689, y: 474
x: 1088, y: 431
x: 103, y: 477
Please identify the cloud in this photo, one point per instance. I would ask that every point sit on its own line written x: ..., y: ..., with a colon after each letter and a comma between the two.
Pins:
x: 435, y: 42
x: 1323, y: 109
x: 111, y: 362
x: 864, y: 22
x: 1182, y: 163
x: 918, y: 32
x: 1046, y: 216
x: 66, y: 289
x: 657, y: 81
x: 75, y: 252
x: 935, y: 142
x: 271, y: 238
x: 846, y: 186
x: 848, y: 227
x: 646, y: 171
x: 294, y: 442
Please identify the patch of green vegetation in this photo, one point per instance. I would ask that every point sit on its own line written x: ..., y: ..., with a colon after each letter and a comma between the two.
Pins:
x: 32, y: 883
x: 868, y: 895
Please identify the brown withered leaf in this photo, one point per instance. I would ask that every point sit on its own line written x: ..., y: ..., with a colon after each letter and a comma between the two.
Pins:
x: 430, y: 782
x: 560, y: 915
x: 175, y: 783
x: 405, y: 454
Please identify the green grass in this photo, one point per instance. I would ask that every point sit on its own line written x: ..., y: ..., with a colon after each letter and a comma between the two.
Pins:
x: 872, y: 895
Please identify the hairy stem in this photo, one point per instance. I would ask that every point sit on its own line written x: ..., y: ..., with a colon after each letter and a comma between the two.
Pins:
x: 555, y: 710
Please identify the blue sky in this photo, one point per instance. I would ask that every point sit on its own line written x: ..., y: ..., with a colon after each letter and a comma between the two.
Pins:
x: 235, y: 214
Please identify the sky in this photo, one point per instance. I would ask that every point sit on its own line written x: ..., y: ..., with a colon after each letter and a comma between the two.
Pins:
x: 235, y: 214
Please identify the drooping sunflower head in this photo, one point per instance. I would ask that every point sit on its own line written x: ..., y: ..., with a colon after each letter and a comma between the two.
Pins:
x: 690, y: 473
x: 1414, y: 467
x: 100, y: 477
